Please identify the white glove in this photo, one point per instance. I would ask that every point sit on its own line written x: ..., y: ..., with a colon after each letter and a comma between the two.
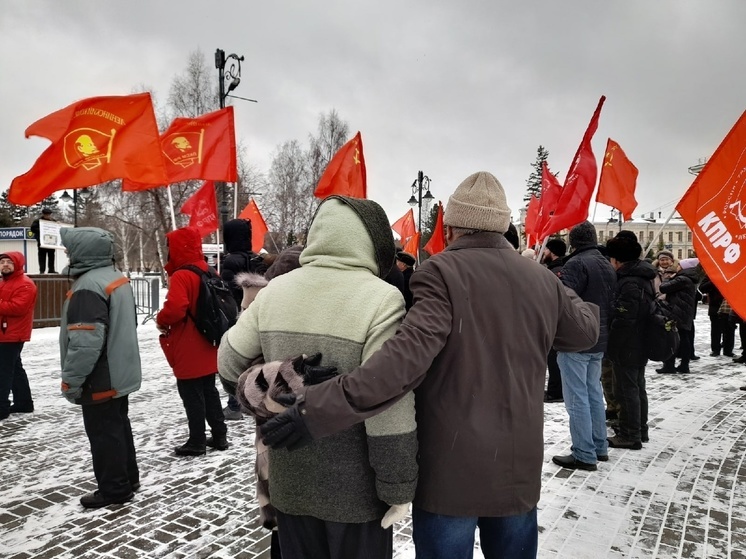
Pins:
x: 395, y: 514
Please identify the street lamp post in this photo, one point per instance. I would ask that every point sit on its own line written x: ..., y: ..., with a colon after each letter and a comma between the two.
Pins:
x: 419, y: 200
x: 84, y: 194
x: 230, y: 76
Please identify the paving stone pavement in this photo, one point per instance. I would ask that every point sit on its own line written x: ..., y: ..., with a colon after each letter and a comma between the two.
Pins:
x: 682, y: 495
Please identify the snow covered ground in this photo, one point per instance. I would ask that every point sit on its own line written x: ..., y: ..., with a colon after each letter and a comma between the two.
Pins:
x: 683, y: 495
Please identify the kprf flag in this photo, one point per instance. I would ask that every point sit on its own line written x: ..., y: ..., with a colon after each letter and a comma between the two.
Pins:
x: 93, y: 141
x: 258, y: 225
x: 203, y: 147
x: 437, y: 242
x: 616, y: 187
x: 413, y: 244
x: 345, y: 174
x: 404, y: 226
x: 202, y: 209
x: 573, y: 203
x: 714, y: 207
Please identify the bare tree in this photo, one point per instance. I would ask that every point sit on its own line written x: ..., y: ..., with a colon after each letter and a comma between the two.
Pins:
x: 284, y: 206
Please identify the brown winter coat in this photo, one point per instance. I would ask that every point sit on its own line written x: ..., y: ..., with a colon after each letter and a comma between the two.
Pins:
x: 475, y: 344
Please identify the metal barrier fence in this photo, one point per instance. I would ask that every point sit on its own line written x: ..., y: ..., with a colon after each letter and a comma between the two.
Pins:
x: 147, y: 296
x: 52, y: 290
x: 51, y: 293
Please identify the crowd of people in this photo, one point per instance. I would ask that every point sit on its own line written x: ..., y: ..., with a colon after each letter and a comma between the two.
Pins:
x: 371, y: 378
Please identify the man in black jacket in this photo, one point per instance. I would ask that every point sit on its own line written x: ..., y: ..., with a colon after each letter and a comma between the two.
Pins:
x: 405, y: 263
x: 626, y: 349
x: 45, y: 254
x: 587, y: 272
x: 681, y: 296
x: 238, y: 258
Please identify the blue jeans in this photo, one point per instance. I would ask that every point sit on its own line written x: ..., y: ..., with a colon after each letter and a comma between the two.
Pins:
x: 437, y: 536
x: 584, y: 401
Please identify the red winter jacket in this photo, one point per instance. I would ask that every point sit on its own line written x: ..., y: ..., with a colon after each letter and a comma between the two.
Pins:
x: 17, y: 300
x: 187, y: 351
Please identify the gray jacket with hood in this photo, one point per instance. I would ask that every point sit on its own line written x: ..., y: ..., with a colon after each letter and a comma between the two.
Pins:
x: 99, y: 353
x: 335, y: 304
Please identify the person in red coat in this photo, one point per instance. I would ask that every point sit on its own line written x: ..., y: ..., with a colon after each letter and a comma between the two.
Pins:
x: 17, y: 300
x: 192, y: 358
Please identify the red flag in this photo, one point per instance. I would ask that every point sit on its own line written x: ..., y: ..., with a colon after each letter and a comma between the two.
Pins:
x: 198, y: 148
x: 532, y: 216
x: 616, y: 187
x: 258, y: 225
x: 575, y: 199
x: 202, y: 209
x: 345, y: 174
x: 93, y: 141
x: 437, y: 242
x: 551, y: 190
x: 413, y: 244
x: 404, y: 226
x: 714, y: 207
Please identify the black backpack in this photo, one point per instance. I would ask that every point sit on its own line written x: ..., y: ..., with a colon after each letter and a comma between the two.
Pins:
x: 216, y: 308
x: 661, y: 332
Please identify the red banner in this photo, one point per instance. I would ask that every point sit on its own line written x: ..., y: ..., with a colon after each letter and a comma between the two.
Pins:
x: 575, y: 199
x: 404, y: 226
x: 532, y: 216
x: 616, y: 187
x: 93, y: 141
x: 413, y: 245
x: 714, y: 207
x: 258, y: 225
x: 202, y: 209
x: 197, y: 148
x: 437, y: 242
x: 345, y: 175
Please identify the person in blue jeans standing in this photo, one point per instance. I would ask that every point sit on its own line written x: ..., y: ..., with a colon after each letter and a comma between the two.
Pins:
x: 587, y: 272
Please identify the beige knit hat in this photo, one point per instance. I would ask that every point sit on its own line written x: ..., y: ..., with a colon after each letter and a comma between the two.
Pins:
x: 478, y: 203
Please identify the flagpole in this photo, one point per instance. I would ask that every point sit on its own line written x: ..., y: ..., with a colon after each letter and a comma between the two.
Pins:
x: 235, y: 200
x: 171, y: 207
x: 593, y: 219
x: 644, y: 254
x: 541, y: 251
x: 217, y: 238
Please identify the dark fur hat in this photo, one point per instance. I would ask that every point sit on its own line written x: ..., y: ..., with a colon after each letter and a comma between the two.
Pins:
x: 512, y: 236
x: 623, y: 249
x: 557, y: 247
x: 405, y: 257
x: 583, y: 235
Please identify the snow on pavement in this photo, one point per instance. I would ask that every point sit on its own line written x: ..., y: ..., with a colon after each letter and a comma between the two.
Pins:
x: 683, y: 495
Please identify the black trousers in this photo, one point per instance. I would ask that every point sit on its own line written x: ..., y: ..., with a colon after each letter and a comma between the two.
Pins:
x: 685, y: 350
x: 13, y: 380
x: 202, y: 402
x: 306, y: 537
x: 112, y: 448
x: 554, y: 382
x: 46, y: 254
x: 630, y: 394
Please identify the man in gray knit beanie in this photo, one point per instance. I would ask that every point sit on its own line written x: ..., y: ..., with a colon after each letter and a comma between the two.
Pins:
x: 474, y: 344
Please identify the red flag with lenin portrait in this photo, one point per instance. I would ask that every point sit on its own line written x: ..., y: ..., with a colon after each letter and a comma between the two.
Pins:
x: 575, y: 199
x: 714, y: 208
x: 345, y: 174
x: 93, y: 141
x: 202, y: 209
x: 203, y: 147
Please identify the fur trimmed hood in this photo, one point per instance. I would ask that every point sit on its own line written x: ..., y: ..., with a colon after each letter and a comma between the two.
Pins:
x: 247, y: 280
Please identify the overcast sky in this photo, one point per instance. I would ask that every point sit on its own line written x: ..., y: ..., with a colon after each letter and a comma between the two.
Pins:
x: 446, y: 87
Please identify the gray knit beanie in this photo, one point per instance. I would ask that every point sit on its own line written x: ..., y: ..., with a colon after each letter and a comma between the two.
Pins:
x: 582, y: 235
x: 478, y: 203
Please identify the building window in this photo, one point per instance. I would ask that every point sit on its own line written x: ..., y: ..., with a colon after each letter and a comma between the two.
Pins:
x: 688, y: 236
x: 691, y: 253
x: 650, y: 236
x: 670, y: 236
x: 601, y: 236
x: 679, y: 252
x: 641, y: 236
x: 680, y: 236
